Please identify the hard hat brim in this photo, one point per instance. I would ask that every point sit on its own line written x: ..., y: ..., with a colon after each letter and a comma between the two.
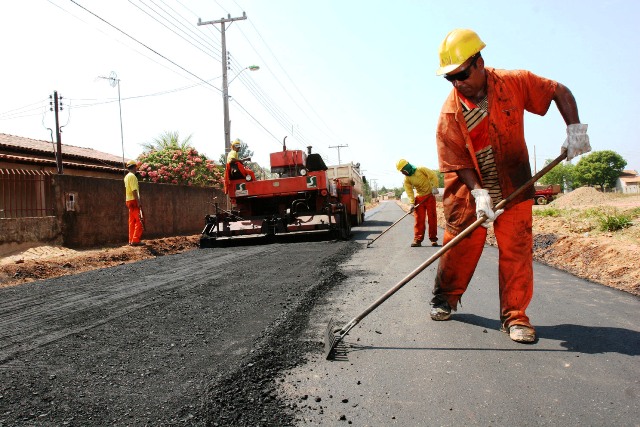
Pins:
x: 447, y: 69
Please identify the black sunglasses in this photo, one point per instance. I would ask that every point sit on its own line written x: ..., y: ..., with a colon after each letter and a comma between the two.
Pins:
x: 464, y: 74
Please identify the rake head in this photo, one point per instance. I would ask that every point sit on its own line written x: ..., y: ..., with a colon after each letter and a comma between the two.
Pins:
x: 333, y: 338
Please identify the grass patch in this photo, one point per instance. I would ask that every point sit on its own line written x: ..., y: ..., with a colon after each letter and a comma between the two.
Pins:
x: 550, y: 211
x: 614, y: 222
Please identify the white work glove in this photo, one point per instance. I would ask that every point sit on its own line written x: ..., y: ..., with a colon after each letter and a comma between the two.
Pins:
x: 484, y: 206
x: 412, y: 207
x: 435, y: 191
x: 577, y: 141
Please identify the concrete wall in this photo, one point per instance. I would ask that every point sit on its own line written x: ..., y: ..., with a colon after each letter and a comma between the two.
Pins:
x: 91, y: 212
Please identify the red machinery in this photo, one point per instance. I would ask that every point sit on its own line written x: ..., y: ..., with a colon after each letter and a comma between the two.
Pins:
x: 545, y: 194
x: 302, y: 199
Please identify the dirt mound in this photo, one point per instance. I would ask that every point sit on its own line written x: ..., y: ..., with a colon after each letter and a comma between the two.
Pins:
x: 44, y: 262
x: 580, y: 197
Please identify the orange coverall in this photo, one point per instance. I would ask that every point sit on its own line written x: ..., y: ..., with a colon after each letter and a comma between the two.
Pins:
x: 509, y: 94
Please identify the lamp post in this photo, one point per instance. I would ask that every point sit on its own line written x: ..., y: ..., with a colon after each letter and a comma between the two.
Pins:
x: 225, y: 96
x: 113, y: 82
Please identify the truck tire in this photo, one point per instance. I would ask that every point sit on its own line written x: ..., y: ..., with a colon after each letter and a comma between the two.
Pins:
x: 345, y: 227
x: 541, y: 200
x: 357, y: 219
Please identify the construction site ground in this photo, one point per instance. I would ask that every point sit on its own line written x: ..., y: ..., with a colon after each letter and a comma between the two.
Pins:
x: 571, y: 243
x: 175, y: 335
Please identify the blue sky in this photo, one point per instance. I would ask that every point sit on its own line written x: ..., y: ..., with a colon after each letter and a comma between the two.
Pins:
x: 359, y: 74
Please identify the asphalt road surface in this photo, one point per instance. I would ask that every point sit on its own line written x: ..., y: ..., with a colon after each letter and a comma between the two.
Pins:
x: 233, y: 337
x: 401, y: 368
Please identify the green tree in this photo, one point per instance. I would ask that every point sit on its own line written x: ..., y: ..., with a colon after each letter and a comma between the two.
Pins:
x: 242, y: 153
x: 601, y: 168
x: 561, y: 174
x: 440, y: 179
x: 167, y: 140
x: 169, y: 160
x: 261, y: 173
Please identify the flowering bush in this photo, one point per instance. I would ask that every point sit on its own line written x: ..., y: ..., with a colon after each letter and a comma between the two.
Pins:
x: 174, y: 164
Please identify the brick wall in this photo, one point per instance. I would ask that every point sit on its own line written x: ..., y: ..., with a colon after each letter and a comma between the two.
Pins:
x: 91, y: 212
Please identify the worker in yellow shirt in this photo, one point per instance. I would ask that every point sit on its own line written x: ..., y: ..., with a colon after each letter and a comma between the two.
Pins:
x: 235, y: 168
x: 132, y: 192
x: 423, y: 204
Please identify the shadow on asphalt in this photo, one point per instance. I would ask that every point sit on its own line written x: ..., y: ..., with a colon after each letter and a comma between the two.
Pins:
x: 575, y: 338
x: 266, y: 240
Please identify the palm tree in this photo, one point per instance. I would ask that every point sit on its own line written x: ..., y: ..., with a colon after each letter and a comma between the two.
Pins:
x: 167, y: 140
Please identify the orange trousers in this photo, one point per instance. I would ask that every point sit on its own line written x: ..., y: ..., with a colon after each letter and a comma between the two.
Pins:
x: 426, y: 212
x: 135, y: 225
x: 515, y: 264
x: 246, y: 171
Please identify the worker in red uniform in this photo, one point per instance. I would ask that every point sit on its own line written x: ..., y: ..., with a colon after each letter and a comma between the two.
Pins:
x: 132, y: 198
x: 482, y: 152
x: 235, y: 168
x: 423, y: 205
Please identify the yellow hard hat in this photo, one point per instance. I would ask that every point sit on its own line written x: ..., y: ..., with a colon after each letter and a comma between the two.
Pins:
x: 131, y: 163
x: 236, y: 143
x: 401, y: 163
x: 457, y: 47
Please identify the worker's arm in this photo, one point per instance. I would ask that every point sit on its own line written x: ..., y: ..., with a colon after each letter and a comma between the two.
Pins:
x: 577, y: 141
x: 433, y: 177
x: 469, y: 177
x: 566, y: 104
x: 136, y: 196
x: 408, y: 188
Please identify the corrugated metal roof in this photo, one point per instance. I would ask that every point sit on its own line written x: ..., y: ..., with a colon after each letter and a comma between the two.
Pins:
x: 28, y: 145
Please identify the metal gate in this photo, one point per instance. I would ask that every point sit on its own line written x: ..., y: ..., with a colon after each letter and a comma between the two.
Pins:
x: 25, y: 193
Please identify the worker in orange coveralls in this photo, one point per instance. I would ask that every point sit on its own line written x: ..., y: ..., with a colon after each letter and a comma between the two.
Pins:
x: 423, y: 204
x: 132, y: 194
x: 235, y: 168
x: 482, y: 152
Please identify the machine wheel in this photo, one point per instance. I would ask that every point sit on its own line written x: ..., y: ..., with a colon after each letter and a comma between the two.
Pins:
x: 345, y: 227
x: 541, y: 200
x: 357, y: 218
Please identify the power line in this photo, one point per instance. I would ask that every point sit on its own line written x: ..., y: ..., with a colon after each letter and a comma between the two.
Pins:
x: 139, y: 42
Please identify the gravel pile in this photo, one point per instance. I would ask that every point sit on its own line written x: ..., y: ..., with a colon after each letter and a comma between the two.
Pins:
x: 580, y: 197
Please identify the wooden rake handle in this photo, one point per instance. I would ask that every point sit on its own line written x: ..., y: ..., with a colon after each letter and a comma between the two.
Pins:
x: 449, y: 245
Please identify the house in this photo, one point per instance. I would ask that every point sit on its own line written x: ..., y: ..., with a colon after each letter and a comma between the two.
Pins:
x: 84, y: 206
x: 628, y: 182
x: 28, y: 154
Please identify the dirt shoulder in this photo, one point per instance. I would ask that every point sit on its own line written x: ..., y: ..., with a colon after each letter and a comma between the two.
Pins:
x: 566, y: 236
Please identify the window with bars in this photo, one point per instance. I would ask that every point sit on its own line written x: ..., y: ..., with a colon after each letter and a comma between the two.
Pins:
x: 25, y: 193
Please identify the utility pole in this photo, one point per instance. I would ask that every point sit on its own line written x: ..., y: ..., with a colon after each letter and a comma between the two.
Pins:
x: 58, y: 152
x: 375, y: 186
x: 338, y: 147
x: 225, y: 66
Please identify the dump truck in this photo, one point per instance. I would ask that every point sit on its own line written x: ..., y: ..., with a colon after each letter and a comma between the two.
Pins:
x: 304, y: 197
x: 351, y: 189
x: 545, y: 193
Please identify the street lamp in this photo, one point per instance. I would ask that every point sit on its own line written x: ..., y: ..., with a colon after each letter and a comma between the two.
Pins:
x: 113, y: 82
x: 225, y: 99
